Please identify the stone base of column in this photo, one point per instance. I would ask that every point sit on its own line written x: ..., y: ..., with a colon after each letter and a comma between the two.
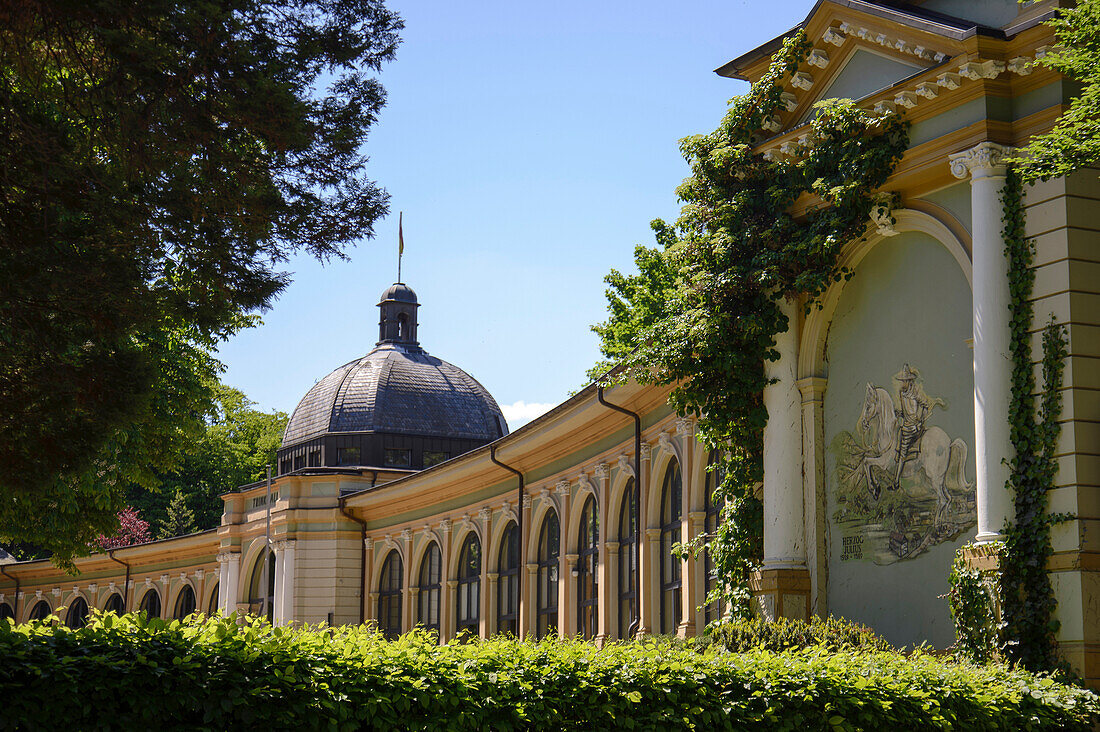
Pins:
x: 781, y: 593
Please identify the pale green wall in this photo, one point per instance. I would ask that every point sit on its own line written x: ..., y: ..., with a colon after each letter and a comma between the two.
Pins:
x: 956, y: 199
x: 908, y: 302
x: 866, y: 73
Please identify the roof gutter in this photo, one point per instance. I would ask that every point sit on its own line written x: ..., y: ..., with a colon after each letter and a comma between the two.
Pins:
x: 519, y: 528
x: 362, y: 558
x: 635, y: 622
x: 126, y: 584
x: 15, y: 605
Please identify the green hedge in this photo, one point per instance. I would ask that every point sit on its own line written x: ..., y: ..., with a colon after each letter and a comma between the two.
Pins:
x: 132, y: 674
x: 784, y: 634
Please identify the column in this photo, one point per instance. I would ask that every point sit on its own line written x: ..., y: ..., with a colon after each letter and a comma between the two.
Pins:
x: 448, y: 586
x: 697, y: 521
x: 277, y: 599
x: 489, y: 608
x: 527, y: 583
x: 408, y: 602
x: 284, y: 582
x: 648, y: 566
x: 813, y: 482
x: 230, y: 566
x: 992, y: 361
x: 527, y: 620
x: 784, y: 544
x: 567, y: 611
x: 689, y: 529
x: 781, y: 586
x: 605, y: 586
x: 484, y: 591
x: 369, y: 599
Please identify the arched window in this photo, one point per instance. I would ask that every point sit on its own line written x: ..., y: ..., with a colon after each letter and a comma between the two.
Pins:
x: 547, y: 605
x: 712, y: 611
x: 389, y: 596
x: 185, y: 603
x: 402, y: 327
x: 588, y: 556
x: 6, y: 611
x: 469, y: 585
x: 213, y: 609
x: 508, y: 587
x: 40, y: 611
x: 628, y: 569
x: 114, y: 604
x: 429, y: 588
x: 261, y: 587
x: 77, y: 617
x: 150, y: 603
x: 671, y: 495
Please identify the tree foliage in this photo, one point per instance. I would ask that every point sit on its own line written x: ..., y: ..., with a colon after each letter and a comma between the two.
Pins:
x: 160, y: 159
x: 235, y: 444
x: 132, y: 529
x: 704, y: 318
x: 1075, y: 140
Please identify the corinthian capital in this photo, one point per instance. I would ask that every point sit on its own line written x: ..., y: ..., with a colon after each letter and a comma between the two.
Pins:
x: 983, y: 160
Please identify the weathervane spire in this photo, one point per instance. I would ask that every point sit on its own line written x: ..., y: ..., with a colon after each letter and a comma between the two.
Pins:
x: 400, y: 243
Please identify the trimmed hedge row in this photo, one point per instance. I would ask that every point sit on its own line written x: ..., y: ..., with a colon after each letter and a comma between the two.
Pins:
x: 131, y: 673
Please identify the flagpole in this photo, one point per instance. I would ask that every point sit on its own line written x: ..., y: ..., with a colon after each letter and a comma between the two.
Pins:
x: 400, y: 243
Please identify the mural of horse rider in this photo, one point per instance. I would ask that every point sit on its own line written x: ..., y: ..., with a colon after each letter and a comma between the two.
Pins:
x: 915, y: 409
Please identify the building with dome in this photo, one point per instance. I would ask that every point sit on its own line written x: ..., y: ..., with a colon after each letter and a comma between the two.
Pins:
x: 400, y: 497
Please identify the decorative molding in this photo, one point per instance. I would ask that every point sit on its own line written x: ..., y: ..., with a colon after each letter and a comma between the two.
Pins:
x: 818, y: 58
x: 183, y: 576
x: 507, y: 511
x: 485, y: 513
x: 603, y: 471
x: 624, y: 465
x: 802, y: 80
x: 56, y: 592
x: 584, y: 482
x: 165, y: 579
x: 975, y: 70
x: 407, y: 536
x: 445, y: 526
x: 562, y: 487
x: 200, y: 573
x: 985, y: 158
x: 772, y: 124
x: 665, y: 442
x: 647, y: 451
x: 906, y: 99
x: 789, y: 148
x: 885, y: 107
x: 685, y: 427
x: 790, y: 101
x: 38, y: 594
x: 882, y: 214
x: 149, y: 582
x: 949, y: 80
x: 928, y: 90
x: 227, y: 557
x: 111, y: 587
x: 93, y: 588
x: 1021, y: 65
x: 368, y: 543
x: 284, y: 544
x: 834, y: 37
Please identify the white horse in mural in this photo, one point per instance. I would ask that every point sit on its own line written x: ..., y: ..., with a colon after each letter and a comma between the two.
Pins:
x: 936, y: 451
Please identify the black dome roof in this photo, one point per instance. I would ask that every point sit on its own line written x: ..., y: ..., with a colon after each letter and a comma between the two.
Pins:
x: 397, y: 389
x: 400, y: 292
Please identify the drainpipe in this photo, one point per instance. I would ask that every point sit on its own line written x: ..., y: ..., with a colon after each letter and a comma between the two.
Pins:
x: 126, y: 584
x: 636, y: 621
x: 362, y: 559
x: 15, y: 605
x: 519, y: 528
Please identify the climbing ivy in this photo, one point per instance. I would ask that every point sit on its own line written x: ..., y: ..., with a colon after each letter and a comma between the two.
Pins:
x: 975, y: 602
x: 703, y: 311
x: 1028, y: 623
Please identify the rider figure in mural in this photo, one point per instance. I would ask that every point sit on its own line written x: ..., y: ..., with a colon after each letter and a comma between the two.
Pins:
x: 915, y: 409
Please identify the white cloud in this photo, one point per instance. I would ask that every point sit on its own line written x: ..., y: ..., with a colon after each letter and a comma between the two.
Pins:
x: 521, y: 412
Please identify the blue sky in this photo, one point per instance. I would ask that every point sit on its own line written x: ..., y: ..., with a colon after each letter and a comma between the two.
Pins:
x: 529, y: 146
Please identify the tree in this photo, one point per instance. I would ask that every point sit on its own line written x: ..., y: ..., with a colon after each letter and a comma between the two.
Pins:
x: 160, y: 159
x: 132, y: 529
x: 180, y: 520
x: 235, y: 444
x: 1075, y: 140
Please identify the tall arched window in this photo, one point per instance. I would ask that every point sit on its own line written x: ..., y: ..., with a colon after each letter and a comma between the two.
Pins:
x: 185, y: 603
x: 712, y: 611
x: 261, y: 588
x: 114, y: 604
x: 588, y: 556
x: 469, y: 585
x: 389, y: 596
x: 508, y: 584
x: 429, y: 586
x: 213, y: 609
x: 671, y: 495
x: 40, y: 611
x: 77, y: 616
x: 628, y: 570
x: 6, y: 611
x: 547, y: 601
x: 150, y: 603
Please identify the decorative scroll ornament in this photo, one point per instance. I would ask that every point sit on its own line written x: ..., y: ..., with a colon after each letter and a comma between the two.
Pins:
x: 484, y: 514
x: 625, y: 466
x: 882, y: 214
x: 603, y: 470
x: 985, y: 158
x: 562, y: 488
x: 406, y: 535
x: 685, y: 427
x: 226, y: 557
x: 508, y: 512
x: 664, y: 442
x: 647, y: 451
x: 368, y: 543
x: 445, y: 526
x: 585, y: 483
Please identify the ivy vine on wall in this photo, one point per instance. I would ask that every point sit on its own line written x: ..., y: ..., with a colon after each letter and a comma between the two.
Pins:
x: 703, y: 311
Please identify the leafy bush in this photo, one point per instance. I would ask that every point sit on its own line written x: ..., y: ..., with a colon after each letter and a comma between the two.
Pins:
x: 135, y: 674
x: 784, y: 634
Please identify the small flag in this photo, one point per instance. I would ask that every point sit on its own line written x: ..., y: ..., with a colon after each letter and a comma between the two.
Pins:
x: 400, y: 235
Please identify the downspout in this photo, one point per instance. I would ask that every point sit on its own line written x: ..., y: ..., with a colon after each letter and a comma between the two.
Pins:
x: 519, y: 528
x: 362, y: 559
x: 636, y: 621
x: 126, y: 584
x: 15, y: 605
